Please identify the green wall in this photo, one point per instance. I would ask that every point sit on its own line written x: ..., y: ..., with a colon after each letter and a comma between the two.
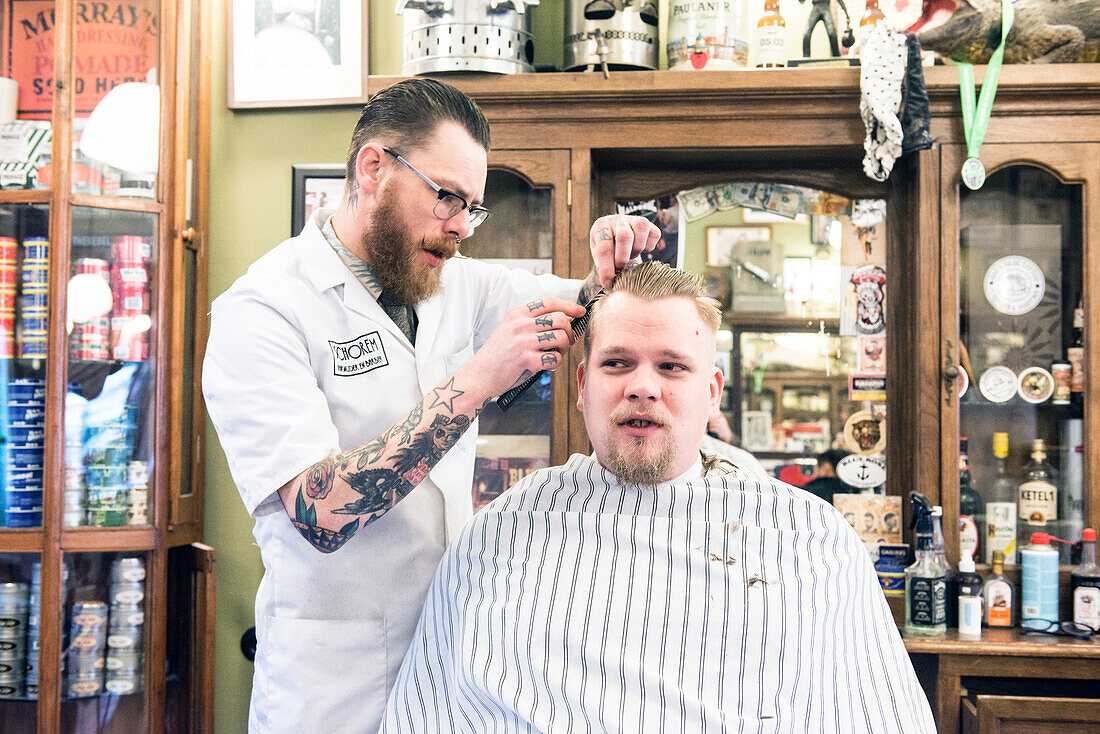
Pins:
x: 250, y: 170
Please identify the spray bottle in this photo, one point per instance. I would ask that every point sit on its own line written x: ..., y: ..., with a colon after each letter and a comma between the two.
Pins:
x: 926, y: 579
x: 1039, y: 583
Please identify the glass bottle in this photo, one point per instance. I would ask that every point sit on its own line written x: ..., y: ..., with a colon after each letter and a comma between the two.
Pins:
x: 771, y: 33
x: 925, y: 581
x: 970, y: 588
x: 1085, y: 583
x: 1000, y: 506
x: 998, y: 594
x: 1038, y: 494
x: 971, y: 509
x: 1075, y: 355
x: 871, y: 15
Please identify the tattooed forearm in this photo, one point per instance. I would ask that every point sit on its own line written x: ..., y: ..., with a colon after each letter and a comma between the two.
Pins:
x: 323, y: 539
x: 319, y: 479
x: 369, y: 480
x: 444, y: 396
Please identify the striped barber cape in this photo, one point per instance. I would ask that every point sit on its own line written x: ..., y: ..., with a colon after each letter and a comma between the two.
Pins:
x: 575, y: 604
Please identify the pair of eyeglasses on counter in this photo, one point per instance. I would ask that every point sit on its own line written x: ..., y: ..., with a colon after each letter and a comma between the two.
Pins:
x: 1063, y: 629
x: 448, y: 203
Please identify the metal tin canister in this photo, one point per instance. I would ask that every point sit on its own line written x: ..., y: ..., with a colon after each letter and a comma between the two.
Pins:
x: 13, y: 609
x: 11, y: 686
x: 83, y: 686
x: 129, y: 592
x: 131, y: 248
x: 36, y: 248
x: 131, y: 615
x: 124, y: 684
x: 91, y: 266
x: 27, y: 389
x: 127, y: 570
x: 124, y: 661
x: 88, y: 616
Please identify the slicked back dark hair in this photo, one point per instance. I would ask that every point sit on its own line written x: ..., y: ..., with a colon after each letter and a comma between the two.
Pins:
x: 406, y: 114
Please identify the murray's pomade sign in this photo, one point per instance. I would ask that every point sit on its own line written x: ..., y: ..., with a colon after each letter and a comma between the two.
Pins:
x: 115, y: 42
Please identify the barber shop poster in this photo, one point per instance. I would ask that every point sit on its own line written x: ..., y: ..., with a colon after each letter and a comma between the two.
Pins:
x: 115, y: 42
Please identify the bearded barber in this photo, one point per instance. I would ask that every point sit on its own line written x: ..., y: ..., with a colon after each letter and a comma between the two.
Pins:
x: 343, y: 374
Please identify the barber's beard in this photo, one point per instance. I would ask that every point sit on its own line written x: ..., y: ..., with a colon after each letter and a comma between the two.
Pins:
x: 395, y: 255
x: 641, y: 461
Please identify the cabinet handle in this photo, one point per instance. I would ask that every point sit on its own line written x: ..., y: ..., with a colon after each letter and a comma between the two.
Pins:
x: 188, y: 235
x: 950, y: 375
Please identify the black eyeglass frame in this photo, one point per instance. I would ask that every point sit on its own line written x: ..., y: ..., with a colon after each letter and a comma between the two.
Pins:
x: 1064, y: 629
x: 478, y: 214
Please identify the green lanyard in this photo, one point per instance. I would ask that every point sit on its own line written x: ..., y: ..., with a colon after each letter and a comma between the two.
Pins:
x: 976, y: 119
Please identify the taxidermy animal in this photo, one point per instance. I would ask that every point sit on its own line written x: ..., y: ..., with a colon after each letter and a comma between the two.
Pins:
x: 1044, y: 31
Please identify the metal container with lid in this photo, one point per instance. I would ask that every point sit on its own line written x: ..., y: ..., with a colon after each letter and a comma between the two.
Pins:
x: 466, y: 35
x: 618, y: 33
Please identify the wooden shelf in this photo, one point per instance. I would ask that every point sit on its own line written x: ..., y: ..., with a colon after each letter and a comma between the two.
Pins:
x: 1004, y: 642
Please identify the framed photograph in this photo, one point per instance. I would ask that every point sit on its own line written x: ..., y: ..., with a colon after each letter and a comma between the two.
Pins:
x: 756, y: 430
x: 722, y: 242
x: 302, y: 54
x: 311, y: 188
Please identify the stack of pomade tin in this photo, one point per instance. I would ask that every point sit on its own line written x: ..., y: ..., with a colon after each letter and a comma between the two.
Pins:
x: 125, y: 642
x: 130, y: 315
x: 13, y: 639
x: 87, y: 646
x: 22, y: 488
x: 107, y: 450
x: 34, y: 300
x: 7, y: 297
x: 106, y: 650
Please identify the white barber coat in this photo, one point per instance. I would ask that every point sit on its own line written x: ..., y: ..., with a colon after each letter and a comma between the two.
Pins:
x: 302, y: 363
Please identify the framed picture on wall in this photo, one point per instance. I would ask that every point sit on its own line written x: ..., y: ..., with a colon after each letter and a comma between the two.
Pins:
x: 722, y: 242
x: 311, y: 188
x: 301, y: 54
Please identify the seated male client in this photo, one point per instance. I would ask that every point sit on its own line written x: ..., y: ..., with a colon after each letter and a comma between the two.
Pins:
x: 648, y: 588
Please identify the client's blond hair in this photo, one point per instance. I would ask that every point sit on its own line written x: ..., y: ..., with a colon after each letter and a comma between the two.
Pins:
x: 653, y: 281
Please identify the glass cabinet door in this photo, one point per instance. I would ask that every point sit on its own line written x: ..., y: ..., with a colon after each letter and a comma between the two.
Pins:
x: 24, y: 309
x: 103, y: 659
x: 527, y: 230
x: 20, y: 617
x: 1021, y: 389
x: 109, y: 406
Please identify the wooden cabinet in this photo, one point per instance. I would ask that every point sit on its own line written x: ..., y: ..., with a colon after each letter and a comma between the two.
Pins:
x: 106, y: 598
x: 640, y: 134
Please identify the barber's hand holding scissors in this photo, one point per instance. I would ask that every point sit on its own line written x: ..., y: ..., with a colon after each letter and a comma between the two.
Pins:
x: 617, y: 239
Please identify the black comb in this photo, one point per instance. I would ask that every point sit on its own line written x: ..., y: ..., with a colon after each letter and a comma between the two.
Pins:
x: 505, y: 401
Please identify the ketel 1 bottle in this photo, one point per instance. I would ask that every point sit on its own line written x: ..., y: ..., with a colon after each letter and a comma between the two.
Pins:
x: 926, y: 579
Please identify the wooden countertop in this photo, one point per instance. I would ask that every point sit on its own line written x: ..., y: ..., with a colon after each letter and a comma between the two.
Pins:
x: 1006, y: 642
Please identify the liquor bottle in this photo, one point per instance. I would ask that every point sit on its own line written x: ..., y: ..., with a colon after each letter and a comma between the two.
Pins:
x: 1038, y: 506
x: 871, y: 15
x: 1000, y: 506
x: 971, y: 509
x: 1075, y: 355
x: 998, y: 594
x: 926, y: 579
x: 1085, y: 583
x: 771, y: 35
x: 970, y: 589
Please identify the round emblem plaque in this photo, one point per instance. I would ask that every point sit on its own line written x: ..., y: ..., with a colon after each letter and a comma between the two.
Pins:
x: 1014, y: 285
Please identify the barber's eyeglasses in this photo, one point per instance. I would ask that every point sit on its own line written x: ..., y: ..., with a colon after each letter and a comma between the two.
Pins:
x: 1047, y: 627
x: 449, y: 203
